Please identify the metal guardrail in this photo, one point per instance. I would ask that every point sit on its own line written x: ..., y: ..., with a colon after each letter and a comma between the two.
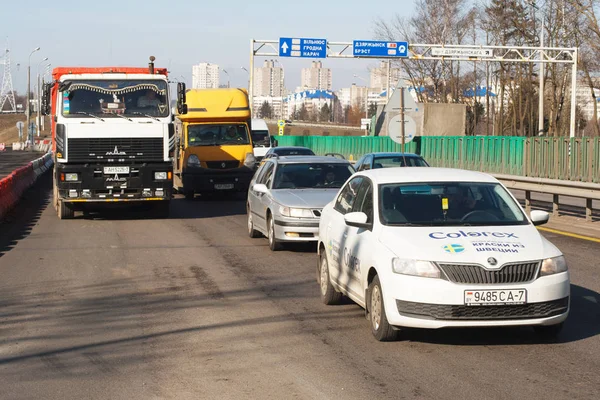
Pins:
x: 555, y: 187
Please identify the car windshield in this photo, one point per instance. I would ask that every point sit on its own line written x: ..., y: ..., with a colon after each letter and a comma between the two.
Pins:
x: 216, y: 135
x: 260, y: 139
x: 294, y: 152
x: 106, y: 98
x: 311, y: 176
x: 448, y: 204
x: 398, y: 161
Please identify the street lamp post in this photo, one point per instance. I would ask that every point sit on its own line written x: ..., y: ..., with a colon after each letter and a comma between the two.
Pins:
x: 27, y: 108
x: 541, y: 77
x: 227, y: 73
x: 39, y: 92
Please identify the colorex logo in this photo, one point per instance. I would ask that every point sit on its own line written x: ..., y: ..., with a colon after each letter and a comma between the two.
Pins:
x: 463, y: 234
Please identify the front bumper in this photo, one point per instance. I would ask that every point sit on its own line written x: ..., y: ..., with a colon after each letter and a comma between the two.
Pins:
x: 95, y: 186
x: 436, y: 303
x: 296, y: 229
x: 205, y: 180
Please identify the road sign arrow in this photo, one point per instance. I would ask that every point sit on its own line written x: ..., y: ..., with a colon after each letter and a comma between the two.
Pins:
x: 284, y: 47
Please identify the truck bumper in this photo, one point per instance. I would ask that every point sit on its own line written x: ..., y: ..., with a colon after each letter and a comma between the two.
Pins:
x: 93, y: 185
x: 205, y: 180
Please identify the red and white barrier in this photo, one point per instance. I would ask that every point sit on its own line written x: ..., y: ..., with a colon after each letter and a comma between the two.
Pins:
x: 13, y: 186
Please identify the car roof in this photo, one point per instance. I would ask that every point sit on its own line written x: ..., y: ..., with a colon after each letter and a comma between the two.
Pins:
x: 392, y: 154
x: 291, y: 148
x: 401, y: 175
x: 308, y: 160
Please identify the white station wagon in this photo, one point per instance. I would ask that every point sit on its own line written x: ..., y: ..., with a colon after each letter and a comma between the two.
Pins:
x: 436, y: 248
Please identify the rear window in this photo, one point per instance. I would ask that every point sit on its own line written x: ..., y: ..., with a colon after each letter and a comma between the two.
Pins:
x: 294, y: 152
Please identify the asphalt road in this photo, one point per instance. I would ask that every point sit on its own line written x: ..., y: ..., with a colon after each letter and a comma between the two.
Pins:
x: 124, y: 307
x: 11, y: 160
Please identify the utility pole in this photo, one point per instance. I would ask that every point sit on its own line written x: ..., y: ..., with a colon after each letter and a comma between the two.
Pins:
x: 28, y: 109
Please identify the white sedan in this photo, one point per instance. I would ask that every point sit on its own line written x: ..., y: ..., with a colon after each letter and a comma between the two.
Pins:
x: 437, y: 248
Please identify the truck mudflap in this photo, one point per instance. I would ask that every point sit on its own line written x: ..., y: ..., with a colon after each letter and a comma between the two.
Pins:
x: 206, y: 180
x: 92, y: 183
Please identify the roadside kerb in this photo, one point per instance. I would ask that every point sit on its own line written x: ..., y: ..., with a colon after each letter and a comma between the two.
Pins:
x: 555, y: 187
x: 13, y: 186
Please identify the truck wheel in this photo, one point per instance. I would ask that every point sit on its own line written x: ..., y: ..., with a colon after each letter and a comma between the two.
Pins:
x: 253, y: 233
x: 274, y: 244
x: 380, y: 326
x: 329, y: 295
x: 189, y: 194
x: 65, y: 211
x: 162, y: 209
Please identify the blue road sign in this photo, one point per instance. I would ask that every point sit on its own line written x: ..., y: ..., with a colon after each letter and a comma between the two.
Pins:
x: 302, y: 47
x: 374, y: 48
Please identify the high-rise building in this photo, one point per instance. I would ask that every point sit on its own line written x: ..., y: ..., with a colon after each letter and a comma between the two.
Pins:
x: 379, y: 77
x: 316, y: 77
x: 205, y: 76
x: 268, y: 80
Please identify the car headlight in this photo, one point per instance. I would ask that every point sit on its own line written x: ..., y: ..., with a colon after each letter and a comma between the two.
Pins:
x: 424, y: 269
x: 71, y: 177
x: 555, y: 265
x: 296, y: 212
x: 250, y: 160
x: 159, y: 176
x: 193, y: 161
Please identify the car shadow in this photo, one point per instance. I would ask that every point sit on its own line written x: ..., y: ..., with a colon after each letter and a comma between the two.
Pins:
x: 582, y: 323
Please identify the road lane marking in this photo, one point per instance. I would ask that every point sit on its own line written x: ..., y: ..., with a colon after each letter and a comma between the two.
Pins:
x: 574, y: 235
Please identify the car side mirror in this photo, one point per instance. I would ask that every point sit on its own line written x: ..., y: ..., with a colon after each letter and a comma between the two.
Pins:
x: 539, y: 217
x: 357, y: 219
x: 260, y: 188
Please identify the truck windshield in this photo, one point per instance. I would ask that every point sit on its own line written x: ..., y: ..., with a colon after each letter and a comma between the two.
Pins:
x: 261, y: 139
x: 113, y: 98
x: 448, y: 204
x: 217, y: 135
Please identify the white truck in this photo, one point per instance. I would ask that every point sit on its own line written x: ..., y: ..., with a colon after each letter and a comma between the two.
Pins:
x: 261, y: 138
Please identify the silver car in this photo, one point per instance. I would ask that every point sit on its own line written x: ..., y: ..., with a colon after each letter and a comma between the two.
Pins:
x: 287, y: 194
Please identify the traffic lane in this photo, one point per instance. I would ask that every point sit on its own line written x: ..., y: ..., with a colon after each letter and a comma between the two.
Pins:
x: 11, y: 160
x: 488, y: 363
x: 109, y: 307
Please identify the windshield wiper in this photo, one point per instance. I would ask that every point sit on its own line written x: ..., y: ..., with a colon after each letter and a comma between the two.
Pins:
x: 144, y: 114
x: 90, y: 115
x: 120, y: 116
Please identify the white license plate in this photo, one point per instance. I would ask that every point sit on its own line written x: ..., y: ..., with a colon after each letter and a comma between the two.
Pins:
x: 223, y: 186
x: 116, y: 170
x: 495, y: 297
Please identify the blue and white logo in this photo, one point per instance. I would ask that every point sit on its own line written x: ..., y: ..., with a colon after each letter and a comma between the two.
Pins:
x: 454, y: 248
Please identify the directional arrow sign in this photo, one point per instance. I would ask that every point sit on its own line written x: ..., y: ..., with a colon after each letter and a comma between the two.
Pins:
x: 372, y: 48
x: 461, y: 52
x: 302, y: 47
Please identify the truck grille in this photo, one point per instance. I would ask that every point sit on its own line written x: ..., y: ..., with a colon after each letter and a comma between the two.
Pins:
x: 230, y: 164
x: 512, y: 273
x: 482, y: 313
x: 115, y: 149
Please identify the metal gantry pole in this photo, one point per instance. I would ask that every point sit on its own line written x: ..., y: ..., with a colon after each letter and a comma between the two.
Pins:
x: 251, y: 80
x: 573, y: 94
x: 541, y: 79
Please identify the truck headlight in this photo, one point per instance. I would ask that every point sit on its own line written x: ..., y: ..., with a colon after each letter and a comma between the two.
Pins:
x: 160, y: 176
x: 555, y: 265
x: 71, y: 177
x: 250, y: 160
x: 296, y: 212
x: 424, y: 269
x: 193, y: 161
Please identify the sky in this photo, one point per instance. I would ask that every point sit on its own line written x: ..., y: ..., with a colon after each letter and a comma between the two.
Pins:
x: 182, y: 33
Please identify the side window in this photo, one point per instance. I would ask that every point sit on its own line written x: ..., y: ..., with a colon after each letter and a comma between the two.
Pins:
x: 366, y: 164
x: 367, y: 205
x: 259, y: 173
x: 268, y: 179
x: 267, y: 169
x: 347, y: 196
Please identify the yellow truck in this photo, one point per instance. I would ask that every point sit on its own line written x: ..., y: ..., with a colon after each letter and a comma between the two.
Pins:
x: 214, y: 145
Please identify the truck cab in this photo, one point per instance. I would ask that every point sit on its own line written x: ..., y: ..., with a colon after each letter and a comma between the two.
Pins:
x: 214, y: 152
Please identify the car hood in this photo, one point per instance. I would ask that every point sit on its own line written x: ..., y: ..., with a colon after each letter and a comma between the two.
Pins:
x: 304, y: 198
x: 468, y: 244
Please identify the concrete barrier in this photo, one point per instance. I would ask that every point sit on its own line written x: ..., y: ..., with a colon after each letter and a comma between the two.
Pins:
x: 13, y: 186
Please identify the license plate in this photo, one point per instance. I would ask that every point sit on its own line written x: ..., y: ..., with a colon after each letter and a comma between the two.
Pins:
x: 116, y: 170
x: 495, y: 297
x: 223, y: 186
